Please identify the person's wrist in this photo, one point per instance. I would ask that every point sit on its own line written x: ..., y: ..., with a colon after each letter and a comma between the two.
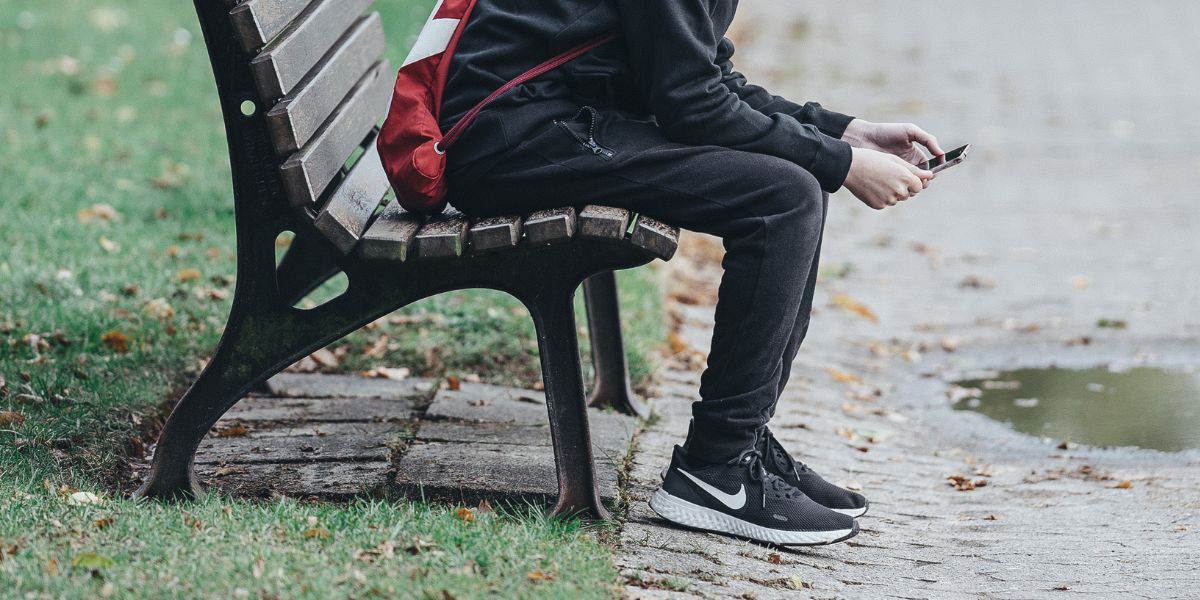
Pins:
x: 856, y: 133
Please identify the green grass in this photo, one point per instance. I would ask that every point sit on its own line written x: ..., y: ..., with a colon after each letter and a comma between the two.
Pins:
x: 114, y: 286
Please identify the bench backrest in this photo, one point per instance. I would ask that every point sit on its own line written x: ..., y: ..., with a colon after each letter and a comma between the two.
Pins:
x: 321, y: 77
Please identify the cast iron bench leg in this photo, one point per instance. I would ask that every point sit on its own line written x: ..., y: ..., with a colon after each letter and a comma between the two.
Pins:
x: 554, y: 317
x: 608, y: 348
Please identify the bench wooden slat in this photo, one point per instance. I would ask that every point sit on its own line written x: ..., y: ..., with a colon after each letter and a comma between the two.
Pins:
x: 288, y: 58
x: 344, y: 218
x: 443, y: 236
x: 655, y: 237
x: 259, y: 21
x: 495, y: 233
x: 296, y: 118
x: 390, y: 237
x: 309, y: 171
x: 603, y: 222
x: 550, y: 226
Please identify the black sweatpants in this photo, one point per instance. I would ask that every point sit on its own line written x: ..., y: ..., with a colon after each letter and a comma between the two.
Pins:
x: 769, y: 212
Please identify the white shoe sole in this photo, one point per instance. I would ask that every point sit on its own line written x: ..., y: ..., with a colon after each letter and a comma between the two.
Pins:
x: 687, y: 514
x: 853, y: 512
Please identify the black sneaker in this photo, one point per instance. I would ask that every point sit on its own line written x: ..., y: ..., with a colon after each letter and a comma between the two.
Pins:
x: 741, y: 498
x: 798, y: 475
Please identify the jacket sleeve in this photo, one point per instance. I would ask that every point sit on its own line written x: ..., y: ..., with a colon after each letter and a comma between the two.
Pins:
x: 828, y: 122
x: 673, y: 52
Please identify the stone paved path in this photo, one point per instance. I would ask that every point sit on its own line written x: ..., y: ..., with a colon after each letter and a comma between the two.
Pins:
x: 1080, y: 204
x: 339, y: 436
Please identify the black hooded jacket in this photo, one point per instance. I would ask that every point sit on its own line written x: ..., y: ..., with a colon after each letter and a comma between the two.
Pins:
x: 671, y: 63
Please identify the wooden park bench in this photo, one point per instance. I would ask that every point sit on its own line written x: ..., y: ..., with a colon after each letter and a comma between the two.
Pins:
x: 303, y: 86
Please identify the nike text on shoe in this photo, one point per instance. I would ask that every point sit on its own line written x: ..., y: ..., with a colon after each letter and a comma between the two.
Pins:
x: 741, y: 498
x: 798, y: 475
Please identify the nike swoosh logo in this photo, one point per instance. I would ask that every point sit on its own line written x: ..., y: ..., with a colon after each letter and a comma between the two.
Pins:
x: 733, y: 501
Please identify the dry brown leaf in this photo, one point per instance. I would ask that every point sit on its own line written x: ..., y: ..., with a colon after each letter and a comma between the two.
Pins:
x: 319, y: 533
x: 10, y: 418
x: 464, y: 514
x: 102, y: 522
x: 234, y: 430
x: 774, y: 559
x: 158, y: 308
x: 453, y: 383
x: 325, y: 357
x: 676, y: 342
x: 845, y: 302
x: 842, y: 376
x: 537, y: 576
x: 1124, y: 485
x: 186, y: 275
x: 233, y: 470
x: 116, y: 341
x: 108, y: 245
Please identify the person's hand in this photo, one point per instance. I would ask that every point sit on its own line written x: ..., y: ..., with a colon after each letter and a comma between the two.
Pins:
x: 898, y: 139
x: 881, y: 180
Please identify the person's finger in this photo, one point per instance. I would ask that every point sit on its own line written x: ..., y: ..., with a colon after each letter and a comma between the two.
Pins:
x: 915, y: 185
x: 916, y: 134
x: 924, y: 174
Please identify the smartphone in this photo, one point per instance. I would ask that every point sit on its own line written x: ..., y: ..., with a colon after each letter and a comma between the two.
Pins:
x: 947, y: 160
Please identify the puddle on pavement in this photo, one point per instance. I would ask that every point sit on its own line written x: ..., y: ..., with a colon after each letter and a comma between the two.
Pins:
x: 1143, y: 407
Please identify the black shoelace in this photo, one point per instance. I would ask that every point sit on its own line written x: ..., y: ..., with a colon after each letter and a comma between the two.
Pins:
x: 783, y: 460
x: 769, y: 483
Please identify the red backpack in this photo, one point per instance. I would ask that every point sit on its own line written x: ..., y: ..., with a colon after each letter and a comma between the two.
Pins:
x: 411, y: 144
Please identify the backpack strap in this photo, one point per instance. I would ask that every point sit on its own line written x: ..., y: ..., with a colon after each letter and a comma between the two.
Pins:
x: 455, y: 132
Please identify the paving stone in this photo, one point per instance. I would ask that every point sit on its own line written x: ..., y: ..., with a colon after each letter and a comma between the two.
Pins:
x: 256, y: 409
x: 331, y: 480
x: 349, y: 442
x: 486, y: 441
x: 489, y: 403
x: 303, y: 385
x: 472, y: 472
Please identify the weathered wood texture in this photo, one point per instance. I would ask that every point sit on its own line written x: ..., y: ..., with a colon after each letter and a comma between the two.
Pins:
x: 307, y: 173
x: 298, y: 116
x: 287, y: 59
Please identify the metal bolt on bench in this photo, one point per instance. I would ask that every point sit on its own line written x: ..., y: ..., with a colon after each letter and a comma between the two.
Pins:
x: 319, y: 86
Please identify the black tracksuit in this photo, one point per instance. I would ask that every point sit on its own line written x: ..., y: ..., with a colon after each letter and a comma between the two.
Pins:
x: 659, y: 123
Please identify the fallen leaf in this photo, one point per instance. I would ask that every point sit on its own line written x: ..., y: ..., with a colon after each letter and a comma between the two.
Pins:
x: 186, y: 275
x: 10, y: 418
x: 319, y: 533
x: 774, y: 559
x: 1112, y: 324
x: 453, y: 383
x: 234, y: 470
x: 158, y: 308
x: 1124, y: 485
x: 538, y: 576
x: 842, y: 376
x: 464, y: 514
x: 102, y: 522
x: 116, y: 341
x: 83, y: 499
x: 91, y: 560
x: 377, y: 348
x: 325, y: 357
x: 845, y: 302
x: 978, y: 283
x: 108, y: 245
x: 393, y: 374
x: 234, y: 430
x: 797, y: 583
x: 677, y: 344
